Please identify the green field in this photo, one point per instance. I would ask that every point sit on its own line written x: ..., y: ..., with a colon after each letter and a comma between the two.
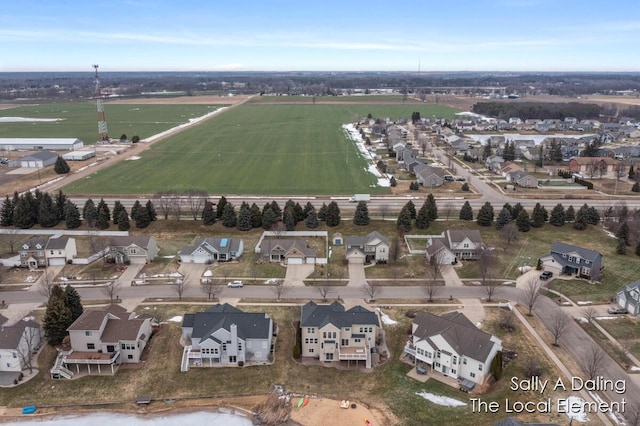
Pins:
x: 81, y: 120
x: 256, y: 149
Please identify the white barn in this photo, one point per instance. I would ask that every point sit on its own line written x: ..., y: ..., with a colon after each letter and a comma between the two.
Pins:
x: 79, y: 155
x: 67, y: 144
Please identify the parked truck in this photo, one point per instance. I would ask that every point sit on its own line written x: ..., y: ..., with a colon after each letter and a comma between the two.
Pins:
x: 360, y: 197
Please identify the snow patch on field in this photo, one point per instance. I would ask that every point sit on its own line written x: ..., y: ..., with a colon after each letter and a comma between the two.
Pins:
x: 27, y: 119
x: 175, y: 319
x: 586, y: 302
x: 133, y: 158
x: 386, y: 319
x: 441, y: 400
x: 354, y: 135
x: 576, y: 411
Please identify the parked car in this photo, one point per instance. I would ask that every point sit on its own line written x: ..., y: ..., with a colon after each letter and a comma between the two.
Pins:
x: 234, y: 284
x: 546, y: 275
x: 617, y: 310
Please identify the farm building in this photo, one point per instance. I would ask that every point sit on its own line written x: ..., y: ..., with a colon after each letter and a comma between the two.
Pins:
x: 79, y: 155
x: 38, y: 159
x: 12, y: 144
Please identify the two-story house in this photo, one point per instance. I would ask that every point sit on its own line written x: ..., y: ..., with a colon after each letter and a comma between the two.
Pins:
x: 225, y: 336
x: 373, y: 247
x: 138, y: 249
x: 332, y: 334
x: 17, y: 343
x: 32, y: 252
x: 453, y: 245
x: 628, y: 297
x: 209, y: 250
x: 574, y: 260
x: 102, y: 339
x: 452, y: 345
x: 41, y: 251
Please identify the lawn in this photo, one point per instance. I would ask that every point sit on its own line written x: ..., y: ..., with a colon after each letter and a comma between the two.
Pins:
x: 255, y: 149
x: 81, y: 120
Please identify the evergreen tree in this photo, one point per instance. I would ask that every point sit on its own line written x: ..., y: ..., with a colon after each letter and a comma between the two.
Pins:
x: 361, y: 217
x: 508, y: 207
x: 569, y: 215
x: 322, y: 213
x: 485, y: 215
x: 244, y: 218
x: 486, y: 151
x: 57, y: 317
x: 333, y: 214
x: 632, y: 173
x: 290, y: 204
x: 222, y: 202
x: 504, y: 217
x: 90, y: 213
x: 432, y: 207
x: 308, y: 208
x: 136, y: 209
x: 411, y: 208
x: 393, y: 182
x: 638, y: 249
x: 117, y: 209
x: 466, y: 212
x: 73, y: 302
x: 151, y: 210
x: 621, y: 247
x: 59, y: 201
x: 277, y: 210
x: 289, y: 218
x: 593, y: 217
x: 558, y: 214
x: 515, y: 210
x: 208, y: 214
x: 269, y: 218
x: 636, y: 187
x: 523, y: 222
x: 22, y: 217
x: 6, y: 212
x: 142, y: 219
x: 311, y: 221
x: 229, y: 217
x: 123, y: 220
x: 48, y: 215
x: 299, y: 212
x: 34, y: 202
x: 623, y: 233
x: 61, y: 167
x: 539, y: 216
x: 102, y: 221
x: 403, y: 223
x: 422, y: 218
x: 256, y: 216
x: 71, y: 215
x: 581, y: 218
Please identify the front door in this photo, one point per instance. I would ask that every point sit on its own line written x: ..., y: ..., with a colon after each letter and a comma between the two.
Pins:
x: 111, y: 348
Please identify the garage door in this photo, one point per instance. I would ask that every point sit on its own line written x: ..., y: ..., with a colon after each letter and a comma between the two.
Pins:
x: 294, y: 261
x: 311, y: 260
x: 58, y: 261
x: 356, y: 260
x: 138, y: 259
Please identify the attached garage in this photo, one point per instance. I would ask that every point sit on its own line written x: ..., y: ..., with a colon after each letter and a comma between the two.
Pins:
x: 57, y: 261
x: 355, y: 256
x: 295, y: 261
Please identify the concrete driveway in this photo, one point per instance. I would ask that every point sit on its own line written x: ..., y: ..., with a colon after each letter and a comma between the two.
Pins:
x: 472, y: 308
x: 194, y: 271
x: 296, y: 274
x: 356, y: 275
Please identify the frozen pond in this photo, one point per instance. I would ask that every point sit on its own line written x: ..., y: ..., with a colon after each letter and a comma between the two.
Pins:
x: 200, y: 417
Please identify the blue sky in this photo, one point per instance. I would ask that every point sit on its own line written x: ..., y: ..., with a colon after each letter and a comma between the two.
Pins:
x: 325, y: 35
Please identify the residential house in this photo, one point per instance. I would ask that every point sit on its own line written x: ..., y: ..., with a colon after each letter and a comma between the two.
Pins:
x: 373, y: 247
x: 103, y: 339
x: 574, y: 260
x: 430, y: 176
x: 290, y: 251
x: 225, y: 335
x: 332, y: 334
x: 209, y: 250
x: 453, y: 346
x: 130, y: 249
x: 522, y: 179
x: 493, y: 163
x: 453, y: 245
x: 60, y: 251
x: 629, y: 297
x: 17, y: 343
x: 595, y: 166
x: 41, y: 251
x: 32, y: 252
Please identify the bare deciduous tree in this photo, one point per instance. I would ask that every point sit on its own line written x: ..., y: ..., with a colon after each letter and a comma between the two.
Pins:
x: 593, y: 361
x: 448, y: 210
x: 559, y: 323
x: 180, y: 285
x: 509, y: 233
x: 162, y: 201
x: 210, y: 287
x: 487, y: 261
x: 195, y: 202
x: 531, y: 293
x: 280, y: 288
x: 431, y: 286
x: 12, y: 238
x: 384, y: 210
x: 324, y: 289
x: 46, y: 283
x: 111, y: 289
x: 589, y: 313
x: 175, y: 206
x: 371, y: 291
x: 29, y: 343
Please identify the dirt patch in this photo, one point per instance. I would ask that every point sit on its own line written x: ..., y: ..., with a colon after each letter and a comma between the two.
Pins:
x: 320, y: 412
x: 184, y: 100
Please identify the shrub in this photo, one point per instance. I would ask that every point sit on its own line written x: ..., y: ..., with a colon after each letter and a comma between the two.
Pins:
x: 583, y: 182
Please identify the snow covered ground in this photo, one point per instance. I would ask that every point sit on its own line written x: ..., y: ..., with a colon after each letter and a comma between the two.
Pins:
x: 354, y: 134
x: 175, y: 319
x: 441, y: 400
x: 386, y: 319
x: 577, y: 412
x: 26, y: 119
x: 200, y: 417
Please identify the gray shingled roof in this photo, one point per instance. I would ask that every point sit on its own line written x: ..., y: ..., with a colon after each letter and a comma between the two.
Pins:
x: 57, y: 243
x: 31, y: 243
x: 631, y: 292
x: 41, y: 155
x: 232, y: 244
x: 250, y: 325
x: 287, y: 245
x: 10, y: 335
x: 365, y: 240
x: 314, y: 315
x: 458, y: 331
x: 584, y: 253
x: 140, y: 241
x: 458, y: 235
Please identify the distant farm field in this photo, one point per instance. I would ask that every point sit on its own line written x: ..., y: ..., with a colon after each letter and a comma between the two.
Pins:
x: 256, y: 149
x: 80, y: 120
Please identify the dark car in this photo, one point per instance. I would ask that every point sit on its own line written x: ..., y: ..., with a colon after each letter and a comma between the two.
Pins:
x: 546, y: 275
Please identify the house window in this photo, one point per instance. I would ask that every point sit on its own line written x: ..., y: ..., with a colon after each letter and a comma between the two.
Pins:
x: 87, y: 333
x: 315, y: 340
x: 464, y: 361
x: 306, y: 341
x: 455, y: 359
x: 91, y: 345
x: 438, y: 354
x: 224, y: 347
x: 437, y: 364
x: 324, y: 334
x: 311, y: 350
x: 133, y: 251
x: 453, y: 371
x: 465, y: 245
x: 51, y: 251
x: 345, y: 342
x: 357, y: 340
x: 311, y: 330
x: 479, y: 367
x: 129, y: 356
x: 472, y: 374
x: 239, y: 346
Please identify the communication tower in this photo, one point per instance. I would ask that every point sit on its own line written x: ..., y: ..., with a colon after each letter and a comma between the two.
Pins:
x: 103, y: 134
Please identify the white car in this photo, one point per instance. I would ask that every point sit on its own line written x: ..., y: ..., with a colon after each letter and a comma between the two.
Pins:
x: 234, y: 284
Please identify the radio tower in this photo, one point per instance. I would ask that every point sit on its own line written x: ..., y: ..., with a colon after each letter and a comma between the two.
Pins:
x: 103, y: 134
